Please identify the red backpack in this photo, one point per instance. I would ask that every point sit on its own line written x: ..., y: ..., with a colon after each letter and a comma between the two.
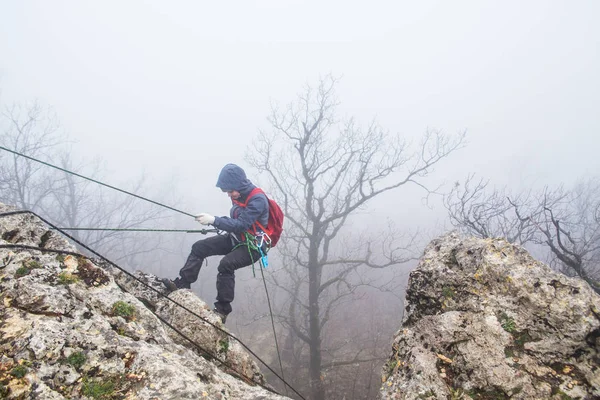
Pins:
x: 275, y: 223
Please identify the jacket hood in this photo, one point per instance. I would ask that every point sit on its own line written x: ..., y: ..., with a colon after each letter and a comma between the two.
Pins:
x: 233, y: 177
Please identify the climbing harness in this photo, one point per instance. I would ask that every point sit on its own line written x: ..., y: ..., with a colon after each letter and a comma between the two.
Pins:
x: 263, y: 256
x: 259, y: 243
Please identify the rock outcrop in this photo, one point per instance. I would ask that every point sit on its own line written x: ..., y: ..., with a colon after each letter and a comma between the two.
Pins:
x: 484, y: 320
x: 70, y: 330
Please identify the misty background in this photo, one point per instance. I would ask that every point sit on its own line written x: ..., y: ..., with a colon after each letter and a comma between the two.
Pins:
x: 174, y: 91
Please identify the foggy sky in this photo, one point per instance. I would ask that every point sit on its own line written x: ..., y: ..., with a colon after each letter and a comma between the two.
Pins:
x: 181, y: 88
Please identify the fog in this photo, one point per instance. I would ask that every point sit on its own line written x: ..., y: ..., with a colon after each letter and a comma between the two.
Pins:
x: 183, y: 87
x: 175, y: 90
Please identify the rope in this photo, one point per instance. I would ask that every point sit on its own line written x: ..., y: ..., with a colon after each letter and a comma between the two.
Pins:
x: 155, y: 290
x: 41, y: 249
x: 95, y: 181
x: 202, y: 231
x: 263, y: 255
x: 252, y: 245
x: 273, y: 325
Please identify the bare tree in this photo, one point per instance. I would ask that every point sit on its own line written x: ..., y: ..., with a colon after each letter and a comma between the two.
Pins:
x: 323, y: 172
x: 571, y: 230
x: 565, y: 222
x: 81, y: 203
x: 486, y: 212
x: 31, y: 130
x: 64, y: 199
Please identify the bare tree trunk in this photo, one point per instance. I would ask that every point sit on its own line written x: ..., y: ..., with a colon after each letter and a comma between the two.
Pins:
x: 324, y: 171
x: 314, y: 273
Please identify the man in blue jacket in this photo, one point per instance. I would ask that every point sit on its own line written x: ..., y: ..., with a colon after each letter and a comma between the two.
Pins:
x: 233, y: 181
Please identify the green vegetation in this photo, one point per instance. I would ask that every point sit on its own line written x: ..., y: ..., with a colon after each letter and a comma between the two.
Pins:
x: 452, y: 258
x: 223, y: 345
x: 33, y: 264
x: 562, y: 395
x: 493, y: 394
x: 22, y: 271
x: 389, y: 366
x: 65, y: 278
x: 26, y: 268
x: 122, y: 309
x: 76, y: 359
x: 98, y: 390
x: 109, y: 387
x: 456, y: 394
x: 19, y: 371
x: 521, y: 339
x: 517, y: 390
x: 507, y: 323
x: 448, y: 292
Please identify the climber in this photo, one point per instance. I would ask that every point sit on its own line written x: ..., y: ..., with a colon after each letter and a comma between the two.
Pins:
x: 249, y: 215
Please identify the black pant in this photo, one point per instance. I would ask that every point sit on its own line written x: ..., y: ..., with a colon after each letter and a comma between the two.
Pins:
x: 234, y: 259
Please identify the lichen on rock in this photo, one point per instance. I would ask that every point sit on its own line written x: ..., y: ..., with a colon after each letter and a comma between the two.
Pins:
x: 69, y: 330
x: 484, y: 320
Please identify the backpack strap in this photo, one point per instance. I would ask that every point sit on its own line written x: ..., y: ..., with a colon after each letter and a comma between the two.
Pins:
x: 252, y: 193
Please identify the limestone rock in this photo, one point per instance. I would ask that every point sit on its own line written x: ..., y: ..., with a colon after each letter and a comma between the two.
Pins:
x: 69, y: 330
x: 485, y: 320
x: 151, y: 291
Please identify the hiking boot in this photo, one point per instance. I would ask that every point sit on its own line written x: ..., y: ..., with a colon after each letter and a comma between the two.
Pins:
x: 173, y: 285
x: 221, y: 315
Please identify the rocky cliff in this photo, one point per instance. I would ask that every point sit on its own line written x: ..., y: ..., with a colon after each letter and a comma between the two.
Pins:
x: 484, y: 320
x: 71, y: 329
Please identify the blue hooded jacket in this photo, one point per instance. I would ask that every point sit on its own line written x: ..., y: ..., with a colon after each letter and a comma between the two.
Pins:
x: 241, y: 219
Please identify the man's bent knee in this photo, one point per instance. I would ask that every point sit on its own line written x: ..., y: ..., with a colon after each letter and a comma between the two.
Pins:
x: 226, y: 268
x: 199, y: 248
